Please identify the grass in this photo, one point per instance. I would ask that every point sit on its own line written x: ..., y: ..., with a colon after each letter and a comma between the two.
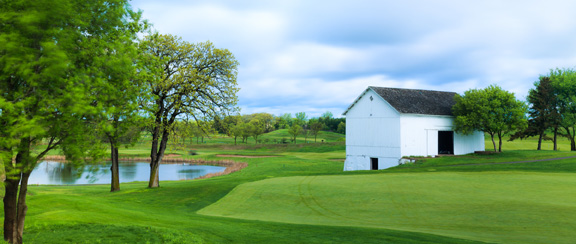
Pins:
x: 303, y: 196
x: 499, y: 207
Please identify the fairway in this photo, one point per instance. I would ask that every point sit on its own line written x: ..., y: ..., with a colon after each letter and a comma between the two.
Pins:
x: 503, y: 207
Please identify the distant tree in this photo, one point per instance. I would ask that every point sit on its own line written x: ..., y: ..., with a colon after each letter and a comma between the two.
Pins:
x: 237, y: 131
x: 315, y: 127
x: 285, y: 121
x: 327, y: 115
x: 294, y: 131
x: 491, y: 110
x: 257, y: 128
x: 305, y: 132
x: 230, y: 122
x: 564, y: 84
x: 301, y: 118
x: 543, y: 111
x: 196, y: 80
x: 246, y: 131
x: 341, y: 128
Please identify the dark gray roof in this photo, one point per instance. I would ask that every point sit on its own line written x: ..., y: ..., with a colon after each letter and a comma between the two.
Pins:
x: 412, y: 101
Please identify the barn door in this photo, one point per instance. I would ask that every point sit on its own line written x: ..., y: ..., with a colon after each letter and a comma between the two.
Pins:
x: 445, y: 142
x: 373, y: 163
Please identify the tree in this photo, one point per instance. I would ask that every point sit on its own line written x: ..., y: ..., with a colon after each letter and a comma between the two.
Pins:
x: 564, y: 85
x: 301, y: 118
x: 543, y: 111
x: 305, y: 132
x: 285, y: 121
x: 491, y: 110
x: 315, y: 127
x: 198, y: 80
x: 230, y: 122
x: 256, y: 129
x: 341, y: 128
x: 53, y: 71
x: 295, y: 130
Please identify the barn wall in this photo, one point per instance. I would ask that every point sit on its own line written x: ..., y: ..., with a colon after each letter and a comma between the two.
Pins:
x: 419, y: 136
x: 419, y: 133
x: 469, y: 143
x: 372, y: 131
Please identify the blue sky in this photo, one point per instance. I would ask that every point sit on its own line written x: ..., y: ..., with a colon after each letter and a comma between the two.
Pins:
x: 316, y: 56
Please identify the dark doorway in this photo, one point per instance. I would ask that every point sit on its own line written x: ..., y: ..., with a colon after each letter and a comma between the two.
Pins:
x: 373, y: 163
x: 445, y: 142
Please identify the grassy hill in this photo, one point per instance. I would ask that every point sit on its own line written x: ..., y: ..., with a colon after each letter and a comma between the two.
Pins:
x: 303, y: 196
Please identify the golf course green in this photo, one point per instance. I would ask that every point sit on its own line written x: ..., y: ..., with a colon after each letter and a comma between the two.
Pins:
x: 507, y: 207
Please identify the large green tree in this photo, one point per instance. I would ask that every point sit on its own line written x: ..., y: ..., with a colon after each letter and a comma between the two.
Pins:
x: 53, y: 57
x: 564, y: 85
x: 491, y: 110
x: 197, y: 80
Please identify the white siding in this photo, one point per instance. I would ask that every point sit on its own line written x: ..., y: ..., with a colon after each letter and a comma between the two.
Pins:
x: 372, y: 131
x: 469, y: 143
x: 419, y: 133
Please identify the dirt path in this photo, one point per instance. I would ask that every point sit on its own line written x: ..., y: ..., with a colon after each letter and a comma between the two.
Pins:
x: 514, y: 162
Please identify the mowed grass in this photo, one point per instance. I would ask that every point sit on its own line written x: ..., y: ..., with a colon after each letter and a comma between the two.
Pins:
x: 303, y: 196
x: 505, y: 207
x: 91, y: 214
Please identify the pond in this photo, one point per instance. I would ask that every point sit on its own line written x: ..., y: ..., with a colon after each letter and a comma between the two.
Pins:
x: 59, y: 173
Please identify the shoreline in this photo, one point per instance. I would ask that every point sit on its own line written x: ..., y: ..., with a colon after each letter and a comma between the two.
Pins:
x: 231, y: 166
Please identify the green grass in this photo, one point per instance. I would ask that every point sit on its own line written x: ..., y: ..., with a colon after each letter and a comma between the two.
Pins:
x: 303, y: 196
x: 498, y: 207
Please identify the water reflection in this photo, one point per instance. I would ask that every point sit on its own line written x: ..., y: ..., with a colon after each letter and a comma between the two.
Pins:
x: 58, y: 173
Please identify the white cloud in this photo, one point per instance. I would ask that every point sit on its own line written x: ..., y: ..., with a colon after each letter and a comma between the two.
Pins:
x: 315, y: 56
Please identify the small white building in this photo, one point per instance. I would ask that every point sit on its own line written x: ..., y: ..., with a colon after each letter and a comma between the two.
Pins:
x: 385, y: 124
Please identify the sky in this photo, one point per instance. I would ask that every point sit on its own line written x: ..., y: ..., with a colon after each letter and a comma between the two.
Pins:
x: 315, y: 56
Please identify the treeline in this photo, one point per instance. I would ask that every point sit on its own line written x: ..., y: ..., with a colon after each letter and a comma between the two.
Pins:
x: 550, y: 109
x: 244, y: 127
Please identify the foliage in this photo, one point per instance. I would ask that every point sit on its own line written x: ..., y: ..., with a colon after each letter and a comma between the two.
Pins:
x: 315, y: 127
x: 196, y: 80
x: 564, y: 85
x: 543, y: 111
x: 491, y: 110
x: 294, y: 131
x: 301, y: 118
x: 341, y: 128
x: 58, y: 61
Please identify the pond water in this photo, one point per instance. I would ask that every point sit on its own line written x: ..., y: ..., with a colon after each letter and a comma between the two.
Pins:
x: 59, y: 173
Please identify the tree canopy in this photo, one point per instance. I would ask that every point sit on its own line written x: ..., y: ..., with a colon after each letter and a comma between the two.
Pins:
x: 491, y: 110
x: 56, y: 59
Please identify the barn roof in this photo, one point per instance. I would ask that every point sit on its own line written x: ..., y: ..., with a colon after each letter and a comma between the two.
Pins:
x: 412, y: 101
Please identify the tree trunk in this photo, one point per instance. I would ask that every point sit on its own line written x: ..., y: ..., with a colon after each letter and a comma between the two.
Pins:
x: 156, y: 158
x: 11, y: 208
x: 499, y: 142
x: 571, y: 137
x: 540, y: 141
x: 22, y: 207
x: 115, y: 183
x: 555, y: 137
x: 493, y: 142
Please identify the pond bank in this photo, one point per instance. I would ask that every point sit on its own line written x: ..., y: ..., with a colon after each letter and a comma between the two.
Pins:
x: 230, y: 165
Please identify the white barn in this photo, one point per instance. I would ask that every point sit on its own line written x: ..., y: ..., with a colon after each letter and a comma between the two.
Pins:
x: 385, y: 124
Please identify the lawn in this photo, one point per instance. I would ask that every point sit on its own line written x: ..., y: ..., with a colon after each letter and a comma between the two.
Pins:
x: 302, y: 196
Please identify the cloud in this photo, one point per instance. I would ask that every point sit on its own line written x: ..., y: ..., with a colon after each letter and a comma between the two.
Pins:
x: 316, y: 56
